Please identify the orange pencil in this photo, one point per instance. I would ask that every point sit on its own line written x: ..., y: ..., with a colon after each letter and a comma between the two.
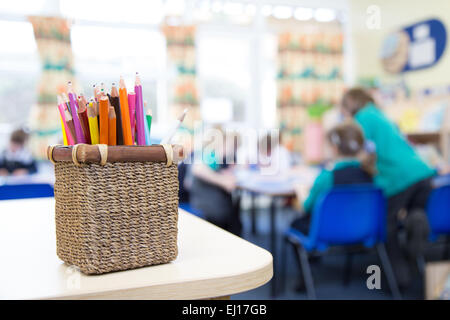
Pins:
x: 126, y: 126
x: 112, y: 138
x: 104, y: 119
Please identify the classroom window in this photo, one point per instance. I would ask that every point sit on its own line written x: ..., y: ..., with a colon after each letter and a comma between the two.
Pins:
x: 103, y: 53
x: 268, y: 81
x: 116, y: 11
x: 224, y: 72
x: 19, y: 72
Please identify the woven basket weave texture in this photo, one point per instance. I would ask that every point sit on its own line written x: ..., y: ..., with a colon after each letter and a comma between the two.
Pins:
x: 116, y: 217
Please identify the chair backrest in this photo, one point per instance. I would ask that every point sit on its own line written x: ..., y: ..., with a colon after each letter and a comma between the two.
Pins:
x: 349, y: 215
x: 25, y: 191
x: 438, y: 211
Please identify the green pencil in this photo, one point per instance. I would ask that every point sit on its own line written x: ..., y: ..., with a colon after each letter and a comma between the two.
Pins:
x: 149, y: 120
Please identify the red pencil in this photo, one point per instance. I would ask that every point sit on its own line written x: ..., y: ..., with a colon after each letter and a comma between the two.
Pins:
x: 82, y: 114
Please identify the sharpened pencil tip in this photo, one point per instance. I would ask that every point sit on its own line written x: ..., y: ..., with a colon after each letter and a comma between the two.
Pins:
x: 137, y: 81
x: 183, y: 115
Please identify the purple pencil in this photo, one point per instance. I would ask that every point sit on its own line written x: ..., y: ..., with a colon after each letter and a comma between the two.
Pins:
x: 140, y: 126
x: 74, y: 110
x: 132, y: 109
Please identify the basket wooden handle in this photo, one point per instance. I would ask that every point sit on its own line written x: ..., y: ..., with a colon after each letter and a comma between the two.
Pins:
x: 86, y: 153
x: 102, y: 148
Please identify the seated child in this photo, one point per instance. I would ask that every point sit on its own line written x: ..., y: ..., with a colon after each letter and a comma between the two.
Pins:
x: 273, y: 156
x: 213, y: 184
x: 351, y: 165
x: 16, y: 159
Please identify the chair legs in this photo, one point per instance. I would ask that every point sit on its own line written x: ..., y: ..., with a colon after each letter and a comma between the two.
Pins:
x: 306, y: 272
x: 304, y: 267
x: 347, y: 269
x: 283, y: 264
x: 446, y: 253
x: 420, y: 260
x: 387, y: 267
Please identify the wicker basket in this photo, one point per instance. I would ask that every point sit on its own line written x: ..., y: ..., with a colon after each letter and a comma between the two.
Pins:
x: 115, y: 215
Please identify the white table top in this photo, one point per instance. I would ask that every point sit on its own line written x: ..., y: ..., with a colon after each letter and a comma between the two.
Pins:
x: 284, y: 184
x: 211, y: 262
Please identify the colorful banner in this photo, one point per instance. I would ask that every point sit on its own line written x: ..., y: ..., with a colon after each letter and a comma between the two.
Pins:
x: 309, y: 78
x: 53, y: 41
x: 183, y: 92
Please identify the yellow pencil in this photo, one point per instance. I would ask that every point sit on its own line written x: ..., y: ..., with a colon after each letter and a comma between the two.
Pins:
x: 64, y: 132
x: 93, y: 124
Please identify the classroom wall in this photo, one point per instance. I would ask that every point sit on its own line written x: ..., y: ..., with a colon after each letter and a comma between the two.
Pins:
x: 366, y: 43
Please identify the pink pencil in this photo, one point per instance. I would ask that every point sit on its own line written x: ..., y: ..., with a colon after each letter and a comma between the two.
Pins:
x: 132, y: 107
x: 140, y: 126
x: 74, y: 110
x: 66, y: 128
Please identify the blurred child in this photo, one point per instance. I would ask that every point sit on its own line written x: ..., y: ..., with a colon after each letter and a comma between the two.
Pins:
x: 16, y: 159
x: 404, y: 177
x: 351, y: 165
x: 213, y: 183
x: 273, y: 156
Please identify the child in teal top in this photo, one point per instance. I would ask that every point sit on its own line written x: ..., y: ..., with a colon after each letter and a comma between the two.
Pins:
x: 326, y: 180
x: 404, y: 177
x: 398, y: 164
x: 352, y: 165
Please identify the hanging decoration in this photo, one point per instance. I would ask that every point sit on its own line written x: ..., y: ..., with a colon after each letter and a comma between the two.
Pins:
x: 309, y: 76
x: 181, y: 56
x: 53, y: 42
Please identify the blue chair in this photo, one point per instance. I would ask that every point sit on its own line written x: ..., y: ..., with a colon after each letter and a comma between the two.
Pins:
x: 25, y: 191
x: 345, y: 216
x: 438, y: 211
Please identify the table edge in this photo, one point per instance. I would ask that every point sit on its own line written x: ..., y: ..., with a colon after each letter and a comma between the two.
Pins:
x: 196, y: 289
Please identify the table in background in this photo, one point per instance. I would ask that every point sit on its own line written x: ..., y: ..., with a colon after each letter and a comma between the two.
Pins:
x: 211, y: 262
x: 35, y: 185
x: 275, y: 187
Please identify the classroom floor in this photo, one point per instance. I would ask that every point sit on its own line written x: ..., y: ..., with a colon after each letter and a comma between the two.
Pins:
x: 327, y: 273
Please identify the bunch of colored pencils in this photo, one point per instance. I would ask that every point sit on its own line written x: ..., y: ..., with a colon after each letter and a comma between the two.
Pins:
x: 114, y: 118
